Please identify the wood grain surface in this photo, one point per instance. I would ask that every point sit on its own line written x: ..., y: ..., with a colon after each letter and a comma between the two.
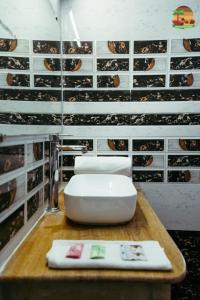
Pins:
x: 29, y: 262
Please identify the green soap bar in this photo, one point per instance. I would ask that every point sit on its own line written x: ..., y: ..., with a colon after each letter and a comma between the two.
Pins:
x: 97, y: 251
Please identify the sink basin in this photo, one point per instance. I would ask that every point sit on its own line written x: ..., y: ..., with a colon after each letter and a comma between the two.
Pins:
x: 100, y: 198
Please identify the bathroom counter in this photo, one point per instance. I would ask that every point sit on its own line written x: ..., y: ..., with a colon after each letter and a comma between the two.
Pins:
x: 27, y: 270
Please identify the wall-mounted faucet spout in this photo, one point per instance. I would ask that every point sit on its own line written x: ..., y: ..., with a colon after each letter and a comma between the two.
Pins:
x: 82, y: 148
x: 55, y: 147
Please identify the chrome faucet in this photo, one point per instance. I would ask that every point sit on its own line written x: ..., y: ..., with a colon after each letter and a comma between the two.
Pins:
x: 55, y: 147
x: 82, y: 148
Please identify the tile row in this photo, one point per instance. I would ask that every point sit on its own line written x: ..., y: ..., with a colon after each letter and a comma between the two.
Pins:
x: 102, y: 47
x: 100, y: 95
x: 155, y: 176
x: 102, y: 64
x: 130, y: 119
x: 100, y: 119
x: 138, y: 145
x: 14, y: 157
x: 12, y: 224
x: 14, y: 190
x: 17, y: 219
x: 148, y: 160
x: 17, y: 190
x: 103, y: 81
x: 22, y: 196
x: 152, y: 165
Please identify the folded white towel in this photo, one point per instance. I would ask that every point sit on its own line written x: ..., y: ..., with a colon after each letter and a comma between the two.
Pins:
x: 156, y: 258
x: 102, y: 165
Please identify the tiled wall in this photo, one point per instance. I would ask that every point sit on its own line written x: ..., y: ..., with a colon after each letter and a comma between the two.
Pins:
x: 136, y: 73
x: 148, y: 91
x: 154, y: 160
x: 24, y: 187
x: 29, y: 93
x: 109, y: 74
x: 117, y: 71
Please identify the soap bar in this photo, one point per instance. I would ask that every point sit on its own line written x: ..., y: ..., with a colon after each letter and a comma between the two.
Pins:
x: 132, y: 252
x: 97, y: 251
x: 75, y: 251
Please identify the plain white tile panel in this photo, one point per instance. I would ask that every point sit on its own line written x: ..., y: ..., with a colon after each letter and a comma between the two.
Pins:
x: 128, y: 107
x: 132, y: 131
x: 30, y: 107
x: 29, y: 129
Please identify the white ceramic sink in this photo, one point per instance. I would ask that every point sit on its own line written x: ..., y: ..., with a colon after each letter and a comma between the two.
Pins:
x: 100, y: 198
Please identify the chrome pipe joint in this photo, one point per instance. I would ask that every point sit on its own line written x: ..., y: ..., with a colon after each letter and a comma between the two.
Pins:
x: 81, y: 148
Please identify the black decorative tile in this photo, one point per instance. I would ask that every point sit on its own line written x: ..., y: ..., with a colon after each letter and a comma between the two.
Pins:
x: 66, y: 175
x: 72, y: 64
x: 131, y: 120
x: 38, y: 151
x: 148, y: 161
x: 109, y: 81
x: 148, y: 176
x: 30, y: 119
x: 165, y: 95
x: 47, y: 81
x: 10, y: 226
x: 52, y: 64
x: 148, y: 80
x: 35, y: 177
x: 112, y: 145
x: 30, y: 95
x: 111, y: 155
x: 46, y: 192
x: 118, y: 47
x: 34, y: 153
x: 78, y: 81
x: 18, y: 80
x: 7, y: 194
x: 69, y: 65
x: 184, y: 160
x: 15, y: 63
x: 142, y: 160
x: 185, y: 63
x: 143, y: 64
x: 188, y: 242
x: 12, y: 158
x: 118, y: 144
x: 72, y: 47
x: 87, y: 143
x: 51, y: 47
x: 181, y: 80
x: 68, y: 160
x: 186, y: 239
x: 96, y: 96
x: 32, y: 205
x: 191, y: 45
x: 148, y: 145
x: 179, y: 176
x: 8, y: 45
x: 47, y: 171
x: 46, y: 149
x: 110, y: 64
x: 189, y: 144
x: 60, y: 161
x: 156, y: 46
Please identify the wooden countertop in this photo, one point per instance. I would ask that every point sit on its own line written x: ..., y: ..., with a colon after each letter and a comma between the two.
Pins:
x: 29, y: 262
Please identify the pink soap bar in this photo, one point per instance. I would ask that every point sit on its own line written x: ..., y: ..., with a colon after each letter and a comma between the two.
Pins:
x: 75, y: 251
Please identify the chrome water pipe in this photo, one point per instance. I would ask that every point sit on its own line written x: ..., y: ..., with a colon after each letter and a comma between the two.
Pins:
x: 55, y: 147
x: 54, y: 174
x: 82, y: 148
